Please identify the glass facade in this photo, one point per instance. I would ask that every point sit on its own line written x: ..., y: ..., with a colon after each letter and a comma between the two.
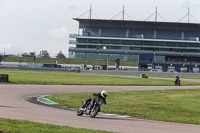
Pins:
x: 72, y: 54
x: 103, y: 56
x: 159, y: 59
x: 127, y: 40
x: 92, y: 56
x: 139, y: 45
x: 81, y: 55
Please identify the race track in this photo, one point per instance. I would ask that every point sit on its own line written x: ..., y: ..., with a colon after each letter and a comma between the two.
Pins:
x: 14, y: 106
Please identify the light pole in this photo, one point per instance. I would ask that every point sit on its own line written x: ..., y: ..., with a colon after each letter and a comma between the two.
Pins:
x: 107, y: 62
x: 4, y: 55
x: 34, y: 61
x: 154, y: 53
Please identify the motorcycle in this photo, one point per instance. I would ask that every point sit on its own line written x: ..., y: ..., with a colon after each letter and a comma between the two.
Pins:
x: 177, y: 82
x: 86, y: 109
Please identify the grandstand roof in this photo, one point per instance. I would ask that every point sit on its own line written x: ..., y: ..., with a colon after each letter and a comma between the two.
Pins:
x: 138, y: 24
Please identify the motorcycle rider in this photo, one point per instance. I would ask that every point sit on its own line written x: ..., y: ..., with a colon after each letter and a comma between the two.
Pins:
x: 177, y: 79
x: 99, y: 96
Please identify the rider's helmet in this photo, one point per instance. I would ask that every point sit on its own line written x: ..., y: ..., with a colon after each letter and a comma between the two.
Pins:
x: 103, y: 94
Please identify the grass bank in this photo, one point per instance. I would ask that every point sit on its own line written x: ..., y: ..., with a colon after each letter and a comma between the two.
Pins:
x: 69, y: 61
x: 180, y: 106
x: 15, y: 126
x: 64, y: 78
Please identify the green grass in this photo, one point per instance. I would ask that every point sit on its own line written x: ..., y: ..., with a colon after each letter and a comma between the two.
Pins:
x: 15, y: 126
x: 69, y: 61
x: 64, y: 78
x: 182, y: 77
x: 165, y: 105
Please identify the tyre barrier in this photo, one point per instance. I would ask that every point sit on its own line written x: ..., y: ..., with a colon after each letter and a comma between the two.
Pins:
x: 3, y: 77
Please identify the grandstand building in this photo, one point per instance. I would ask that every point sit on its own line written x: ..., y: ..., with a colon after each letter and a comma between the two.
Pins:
x: 152, y: 44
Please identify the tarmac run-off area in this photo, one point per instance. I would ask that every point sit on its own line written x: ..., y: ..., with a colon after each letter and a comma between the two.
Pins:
x: 14, y: 106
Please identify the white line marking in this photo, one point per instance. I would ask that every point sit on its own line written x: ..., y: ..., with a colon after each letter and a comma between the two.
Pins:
x: 103, y: 114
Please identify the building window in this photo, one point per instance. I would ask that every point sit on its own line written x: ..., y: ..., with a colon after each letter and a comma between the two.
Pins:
x: 159, y: 59
x: 102, y: 56
x: 182, y: 44
x: 149, y: 49
x: 93, y: 41
x: 114, y: 56
x: 193, y: 50
x: 81, y: 55
x: 114, y: 47
x: 125, y: 48
x: 160, y: 43
x: 138, y: 42
x: 82, y: 40
x: 116, y: 41
x: 193, y: 45
x: 160, y: 49
x: 71, y: 54
x: 105, y: 41
x: 127, y: 42
x: 81, y: 46
x: 92, y: 46
x: 170, y: 44
x: 92, y: 56
x: 148, y: 43
x: 136, y: 48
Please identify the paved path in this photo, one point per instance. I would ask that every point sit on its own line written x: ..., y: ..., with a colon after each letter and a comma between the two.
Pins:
x: 13, y: 106
x: 191, y: 80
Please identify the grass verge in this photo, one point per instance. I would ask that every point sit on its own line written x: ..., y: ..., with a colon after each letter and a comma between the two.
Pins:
x: 64, y: 78
x: 180, y: 106
x: 182, y: 77
x: 15, y: 126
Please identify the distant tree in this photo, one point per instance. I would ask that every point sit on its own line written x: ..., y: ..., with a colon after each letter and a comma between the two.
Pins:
x: 1, y: 58
x: 60, y: 55
x: 32, y: 54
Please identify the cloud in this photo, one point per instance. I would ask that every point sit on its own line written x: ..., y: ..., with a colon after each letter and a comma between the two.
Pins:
x: 59, y: 7
x: 60, y: 33
x: 73, y: 7
x: 191, y: 4
x: 6, y: 46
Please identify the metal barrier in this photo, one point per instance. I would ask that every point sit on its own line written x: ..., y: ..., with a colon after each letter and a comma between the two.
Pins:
x: 42, y: 69
x: 140, y: 72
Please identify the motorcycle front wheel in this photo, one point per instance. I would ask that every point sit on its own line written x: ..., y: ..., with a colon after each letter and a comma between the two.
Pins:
x: 94, y: 112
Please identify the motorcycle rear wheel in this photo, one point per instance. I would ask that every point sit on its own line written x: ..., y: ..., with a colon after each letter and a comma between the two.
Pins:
x: 79, y: 112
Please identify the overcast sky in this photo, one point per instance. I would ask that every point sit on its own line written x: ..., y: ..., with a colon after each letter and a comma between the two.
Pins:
x: 35, y: 25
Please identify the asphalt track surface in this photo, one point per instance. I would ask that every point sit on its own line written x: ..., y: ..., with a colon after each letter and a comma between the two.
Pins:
x: 14, y: 106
